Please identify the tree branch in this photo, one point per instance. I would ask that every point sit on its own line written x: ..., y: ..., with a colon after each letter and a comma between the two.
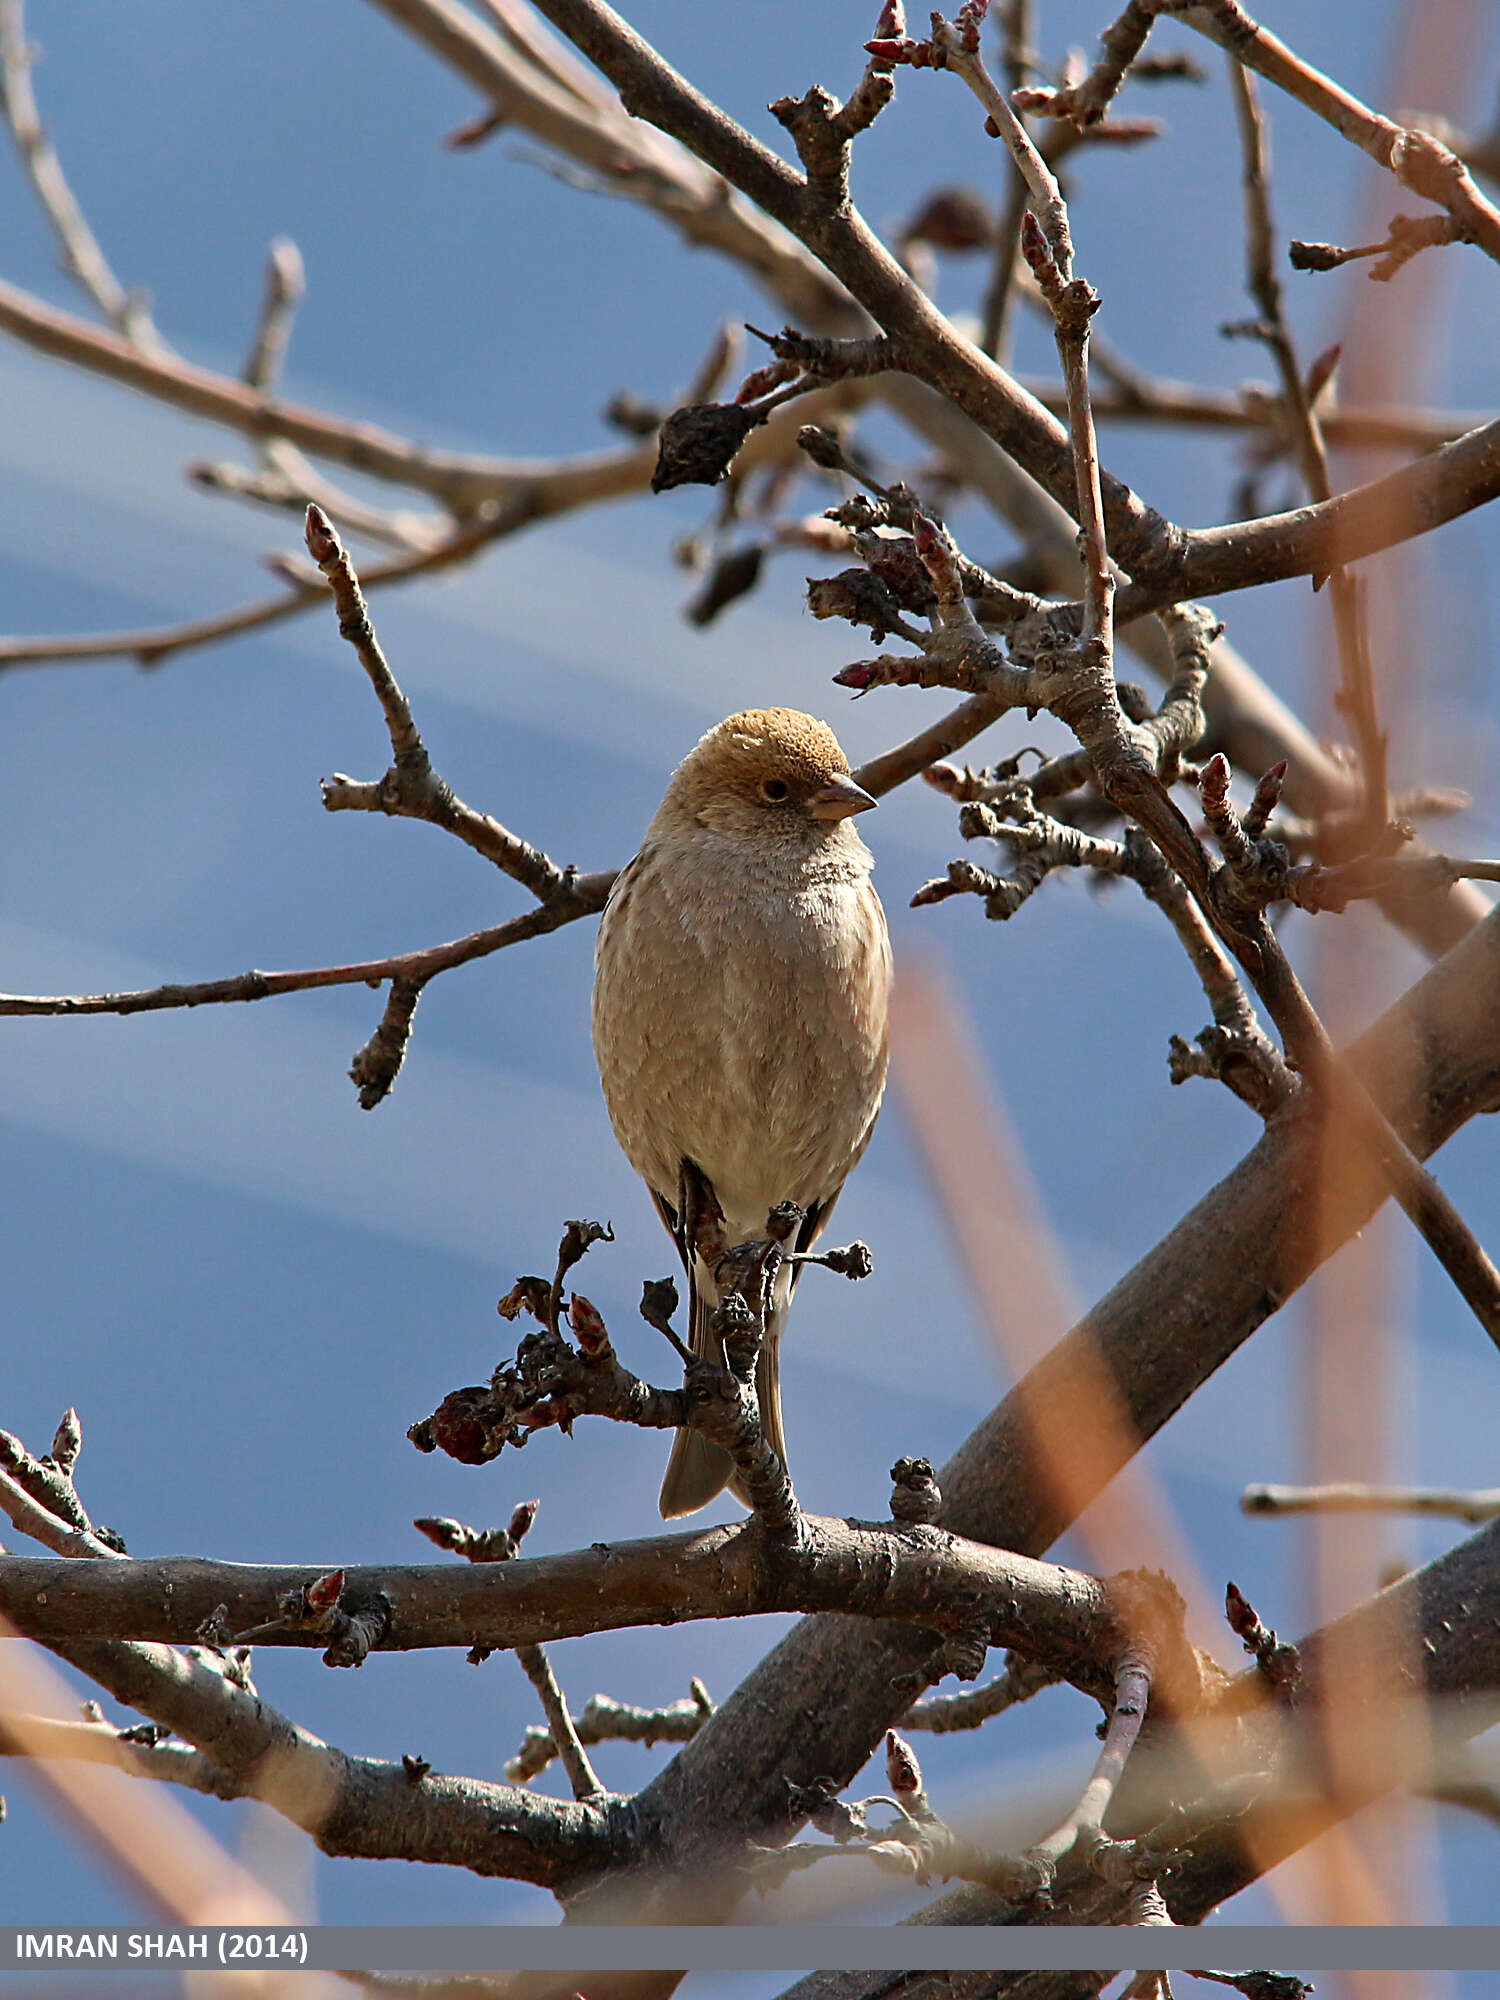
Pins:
x: 1159, y: 1335
x: 936, y: 1582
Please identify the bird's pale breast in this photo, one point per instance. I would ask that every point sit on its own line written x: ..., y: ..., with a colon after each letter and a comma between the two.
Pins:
x: 739, y: 1020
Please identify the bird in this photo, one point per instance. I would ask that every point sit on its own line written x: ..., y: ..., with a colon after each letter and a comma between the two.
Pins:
x: 741, y: 985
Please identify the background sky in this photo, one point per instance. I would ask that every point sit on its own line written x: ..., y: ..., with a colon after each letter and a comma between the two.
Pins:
x: 248, y: 1286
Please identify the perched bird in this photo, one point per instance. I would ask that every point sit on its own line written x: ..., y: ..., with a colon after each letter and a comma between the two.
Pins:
x: 740, y: 988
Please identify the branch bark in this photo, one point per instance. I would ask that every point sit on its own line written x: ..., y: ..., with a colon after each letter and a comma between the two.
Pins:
x: 1432, y: 1062
x: 935, y: 1581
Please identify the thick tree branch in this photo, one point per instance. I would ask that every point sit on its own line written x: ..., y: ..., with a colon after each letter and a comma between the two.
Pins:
x: 1434, y: 1062
x: 935, y: 1581
x: 357, y: 1806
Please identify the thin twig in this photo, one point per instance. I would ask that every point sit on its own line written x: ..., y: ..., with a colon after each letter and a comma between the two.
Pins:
x: 286, y: 283
x: 1356, y: 694
x: 1418, y: 159
x: 570, y: 1751
x: 411, y: 787
x: 1448, y: 1504
x: 1083, y: 1826
x: 999, y: 299
x: 82, y: 257
x: 587, y: 898
x: 462, y: 481
x: 604, y: 1720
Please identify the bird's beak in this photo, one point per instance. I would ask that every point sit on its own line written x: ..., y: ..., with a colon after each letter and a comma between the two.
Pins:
x: 839, y: 799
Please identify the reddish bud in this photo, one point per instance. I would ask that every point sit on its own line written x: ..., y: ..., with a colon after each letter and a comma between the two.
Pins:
x: 324, y: 1594
x: 892, y: 22
x: 521, y: 1520
x: 588, y: 1325
x: 761, y: 381
x: 1267, y: 798
x: 1035, y: 250
x: 1213, y: 780
x: 913, y: 55
x: 1241, y: 1617
x: 322, y: 542
x: 968, y: 21
x: 903, y: 1772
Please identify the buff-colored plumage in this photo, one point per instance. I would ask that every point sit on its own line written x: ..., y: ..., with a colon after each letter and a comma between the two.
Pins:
x: 740, y: 991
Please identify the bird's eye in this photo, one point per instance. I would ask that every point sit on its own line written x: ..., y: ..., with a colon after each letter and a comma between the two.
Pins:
x: 775, y: 789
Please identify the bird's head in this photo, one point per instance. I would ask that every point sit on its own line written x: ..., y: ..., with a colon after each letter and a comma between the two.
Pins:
x: 768, y: 774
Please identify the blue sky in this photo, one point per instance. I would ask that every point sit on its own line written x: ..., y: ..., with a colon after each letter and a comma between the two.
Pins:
x: 248, y: 1286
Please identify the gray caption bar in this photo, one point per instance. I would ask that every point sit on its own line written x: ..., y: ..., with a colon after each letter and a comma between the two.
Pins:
x: 792, y: 1948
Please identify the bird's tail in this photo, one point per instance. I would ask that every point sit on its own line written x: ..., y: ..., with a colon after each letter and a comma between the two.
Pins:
x: 699, y: 1470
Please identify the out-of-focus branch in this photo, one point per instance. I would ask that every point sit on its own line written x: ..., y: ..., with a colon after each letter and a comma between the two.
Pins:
x: 627, y: 156
x: 1354, y: 426
x: 530, y: 489
x: 82, y: 257
x: 429, y: 544
x: 1476, y: 1504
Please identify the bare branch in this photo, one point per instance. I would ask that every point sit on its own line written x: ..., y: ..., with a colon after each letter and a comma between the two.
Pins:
x: 933, y: 1580
x: 82, y: 257
x: 286, y: 282
x: 1478, y: 1504
x: 1418, y: 159
x: 604, y: 1720
x: 527, y: 489
x: 587, y: 899
x: 1084, y: 1825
